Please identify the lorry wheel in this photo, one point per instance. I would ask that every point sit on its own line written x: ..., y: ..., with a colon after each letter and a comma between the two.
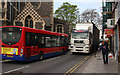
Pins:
x: 41, y: 56
x: 73, y: 53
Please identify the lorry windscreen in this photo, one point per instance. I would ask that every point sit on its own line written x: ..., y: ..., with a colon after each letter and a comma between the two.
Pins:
x: 79, y: 35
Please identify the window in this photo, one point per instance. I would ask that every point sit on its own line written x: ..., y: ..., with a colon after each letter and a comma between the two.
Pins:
x: 48, y: 41
x: 53, y: 41
x: 3, y: 3
x: 31, y: 39
x: 62, y: 41
x: 78, y: 35
x: 29, y: 21
x: 58, y: 41
x: 59, y: 29
x: 28, y: 39
x: 66, y: 41
x: 41, y: 41
x: 34, y: 39
x: 11, y: 35
x: 112, y: 22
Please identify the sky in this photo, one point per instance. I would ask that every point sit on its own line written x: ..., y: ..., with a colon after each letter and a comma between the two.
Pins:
x: 82, y: 4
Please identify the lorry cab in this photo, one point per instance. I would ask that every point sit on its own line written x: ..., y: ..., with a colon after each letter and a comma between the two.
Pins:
x: 80, y: 41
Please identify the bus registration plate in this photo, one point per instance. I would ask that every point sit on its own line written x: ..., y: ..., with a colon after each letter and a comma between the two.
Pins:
x: 9, y: 55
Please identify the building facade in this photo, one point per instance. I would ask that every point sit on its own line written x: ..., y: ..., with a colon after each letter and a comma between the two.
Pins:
x: 38, y: 15
x: 61, y: 26
x: 3, y: 13
x: 117, y: 30
x: 111, y: 20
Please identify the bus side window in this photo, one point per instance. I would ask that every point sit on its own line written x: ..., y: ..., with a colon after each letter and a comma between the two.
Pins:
x: 53, y: 41
x: 41, y: 41
x: 28, y: 39
x: 58, y: 41
x: 48, y: 41
x: 36, y: 39
x: 65, y: 39
x: 32, y: 39
x: 62, y: 41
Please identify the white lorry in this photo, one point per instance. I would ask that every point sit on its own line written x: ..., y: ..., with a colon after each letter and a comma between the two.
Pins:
x: 85, y: 38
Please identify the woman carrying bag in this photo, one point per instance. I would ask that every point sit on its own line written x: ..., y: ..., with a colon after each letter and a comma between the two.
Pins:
x: 105, y: 51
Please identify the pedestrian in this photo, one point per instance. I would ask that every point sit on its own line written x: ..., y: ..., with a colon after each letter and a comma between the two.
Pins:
x: 105, y: 51
x: 106, y: 42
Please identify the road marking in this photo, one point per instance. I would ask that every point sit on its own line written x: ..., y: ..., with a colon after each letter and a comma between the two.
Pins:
x: 76, y: 66
x: 17, y: 69
x: 6, y: 60
x: 73, y: 67
x: 51, y: 59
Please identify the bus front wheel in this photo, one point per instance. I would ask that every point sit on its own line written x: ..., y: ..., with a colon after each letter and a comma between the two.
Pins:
x: 41, y: 56
x: 63, y: 52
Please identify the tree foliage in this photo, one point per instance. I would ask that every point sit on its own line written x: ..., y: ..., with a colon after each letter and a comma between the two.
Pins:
x: 90, y: 15
x: 67, y: 12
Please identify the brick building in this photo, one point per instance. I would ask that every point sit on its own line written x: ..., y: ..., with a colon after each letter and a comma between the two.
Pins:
x: 62, y: 26
x: 38, y: 15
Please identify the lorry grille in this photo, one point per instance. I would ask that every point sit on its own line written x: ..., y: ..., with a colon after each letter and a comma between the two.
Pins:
x: 78, y: 41
x: 78, y: 50
x: 79, y: 47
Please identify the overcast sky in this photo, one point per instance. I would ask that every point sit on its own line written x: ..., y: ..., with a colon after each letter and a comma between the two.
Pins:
x: 82, y: 4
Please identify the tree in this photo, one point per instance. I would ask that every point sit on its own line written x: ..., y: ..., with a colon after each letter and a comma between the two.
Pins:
x: 67, y: 12
x: 90, y: 15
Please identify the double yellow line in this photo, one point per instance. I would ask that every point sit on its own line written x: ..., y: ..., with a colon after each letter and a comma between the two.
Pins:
x: 76, y: 66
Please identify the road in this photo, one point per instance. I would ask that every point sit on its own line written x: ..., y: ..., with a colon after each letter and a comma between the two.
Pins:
x: 58, y: 64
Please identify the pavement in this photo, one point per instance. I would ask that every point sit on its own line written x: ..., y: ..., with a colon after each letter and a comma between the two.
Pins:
x: 95, y: 65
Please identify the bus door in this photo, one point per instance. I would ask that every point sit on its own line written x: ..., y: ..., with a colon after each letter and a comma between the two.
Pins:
x: 28, y: 52
x: 34, y: 49
x: 31, y: 51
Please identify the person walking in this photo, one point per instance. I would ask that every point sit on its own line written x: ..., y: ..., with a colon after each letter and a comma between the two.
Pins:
x: 105, y: 51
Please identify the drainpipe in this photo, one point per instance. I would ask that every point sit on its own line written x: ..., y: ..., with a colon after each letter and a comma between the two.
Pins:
x: 10, y: 11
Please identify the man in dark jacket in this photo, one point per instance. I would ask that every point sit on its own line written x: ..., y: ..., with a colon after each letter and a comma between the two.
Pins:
x: 105, y: 51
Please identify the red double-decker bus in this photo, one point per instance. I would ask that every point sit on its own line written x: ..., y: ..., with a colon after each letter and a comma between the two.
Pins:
x: 27, y: 44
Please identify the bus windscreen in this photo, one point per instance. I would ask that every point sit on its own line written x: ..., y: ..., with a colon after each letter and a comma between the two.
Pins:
x: 11, y: 35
